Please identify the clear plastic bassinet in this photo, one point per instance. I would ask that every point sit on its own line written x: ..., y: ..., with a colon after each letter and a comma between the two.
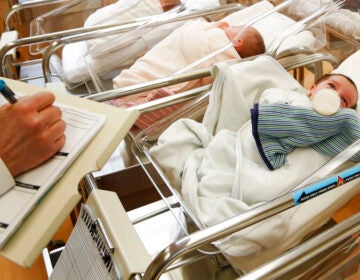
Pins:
x: 86, y: 13
x: 144, y: 142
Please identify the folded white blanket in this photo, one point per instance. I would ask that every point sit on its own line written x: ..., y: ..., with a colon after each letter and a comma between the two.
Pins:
x: 201, y: 4
x: 120, y: 11
x: 74, y: 69
x: 220, y: 173
x: 78, y: 62
x: 344, y: 21
x: 99, y: 56
x: 123, y: 10
x: 305, y: 7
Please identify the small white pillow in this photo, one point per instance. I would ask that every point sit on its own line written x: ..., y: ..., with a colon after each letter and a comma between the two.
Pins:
x: 244, y: 15
x: 123, y: 10
x: 194, y: 5
x: 350, y: 67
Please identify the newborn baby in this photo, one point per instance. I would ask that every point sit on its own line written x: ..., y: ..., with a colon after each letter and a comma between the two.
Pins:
x: 326, y: 96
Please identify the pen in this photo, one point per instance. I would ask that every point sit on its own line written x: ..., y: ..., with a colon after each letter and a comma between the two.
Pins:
x: 7, y: 92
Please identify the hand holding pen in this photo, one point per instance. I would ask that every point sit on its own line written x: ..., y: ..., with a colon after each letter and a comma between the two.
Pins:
x: 31, y: 131
x: 7, y: 92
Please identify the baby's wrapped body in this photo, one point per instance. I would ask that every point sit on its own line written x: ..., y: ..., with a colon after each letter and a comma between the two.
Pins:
x: 190, y: 42
x: 217, y: 167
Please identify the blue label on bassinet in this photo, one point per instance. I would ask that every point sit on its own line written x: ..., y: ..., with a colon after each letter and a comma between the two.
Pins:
x: 326, y: 185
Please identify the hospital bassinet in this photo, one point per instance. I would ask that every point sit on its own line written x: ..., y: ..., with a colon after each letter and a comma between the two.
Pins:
x: 240, y: 261
x: 206, y: 261
x: 21, y: 13
x: 87, y: 14
x: 146, y: 140
x: 42, y: 22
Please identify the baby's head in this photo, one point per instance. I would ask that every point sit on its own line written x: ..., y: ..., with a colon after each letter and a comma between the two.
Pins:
x: 169, y: 4
x: 344, y: 86
x: 249, y: 43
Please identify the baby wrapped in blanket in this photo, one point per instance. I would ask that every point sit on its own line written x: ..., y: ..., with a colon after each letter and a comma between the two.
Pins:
x: 217, y: 167
x: 189, y: 43
x: 192, y: 42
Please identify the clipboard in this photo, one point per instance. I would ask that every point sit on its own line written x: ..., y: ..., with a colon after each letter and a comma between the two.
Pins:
x: 104, y: 244
x: 39, y: 227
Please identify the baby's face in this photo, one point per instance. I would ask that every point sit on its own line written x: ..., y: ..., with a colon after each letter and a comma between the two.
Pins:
x: 347, y: 91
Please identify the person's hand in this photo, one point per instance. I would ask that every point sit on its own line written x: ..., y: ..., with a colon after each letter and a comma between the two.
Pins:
x: 31, y: 131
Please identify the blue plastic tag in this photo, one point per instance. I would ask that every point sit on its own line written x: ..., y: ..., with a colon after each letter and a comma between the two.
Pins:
x: 326, y: 185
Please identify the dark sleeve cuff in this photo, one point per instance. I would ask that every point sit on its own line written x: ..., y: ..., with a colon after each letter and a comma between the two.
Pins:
x: 254, y: 123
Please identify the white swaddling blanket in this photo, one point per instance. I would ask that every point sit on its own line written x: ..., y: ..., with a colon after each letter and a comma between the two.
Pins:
x: 188, y: 43
x: 220, y: 173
